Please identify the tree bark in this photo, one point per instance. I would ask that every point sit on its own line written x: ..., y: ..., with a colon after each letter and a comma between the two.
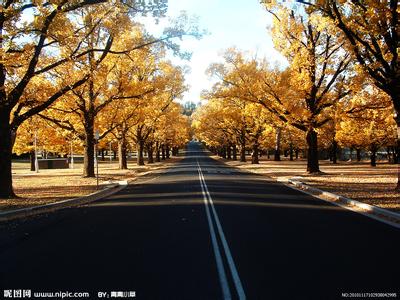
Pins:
x: 122, y: 161
x: 229, y: 152
x: 396, y: 154
x: 32, y: 159
x: 223, y: 152
x: 158, y: 158
x: 254, y: 154
x: 150, y: 151
x: 243, y: 153
x: 88, y: 158
x: 334, y: 151
x: 167, y: 152
x: 351, y: 154
x: 234, y: 152
x: 140, y: 148
x: 291, y: 152
x: 389, y: 154
x: 175, y: 151
x: 312, y: 151
x: 396, y: 102
x: 358, y: 154
x: 163, y: 152
x: 373, y: 155
x: 6, y: 188
x: 277, y: 154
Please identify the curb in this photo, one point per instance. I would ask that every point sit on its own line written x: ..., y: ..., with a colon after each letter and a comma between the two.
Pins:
x: 368, y: 210
x: 36, y: 210
x: 371, y: 211
x: 112, y: 188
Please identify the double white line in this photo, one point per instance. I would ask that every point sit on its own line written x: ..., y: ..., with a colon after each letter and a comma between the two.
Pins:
x: 212, y: 215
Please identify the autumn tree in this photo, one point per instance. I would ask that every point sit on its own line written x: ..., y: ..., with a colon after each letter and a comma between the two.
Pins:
x: 30, y: 50
x: 110, y: 80
x: 211, y: 124
x: 48, y: 138
x: 172, y: 130
x: 52, y: 41
x: 227, y: 123
x: 301, y: 94
x: 371, y: 30
x: 367, y: 122
x: 169, y: 86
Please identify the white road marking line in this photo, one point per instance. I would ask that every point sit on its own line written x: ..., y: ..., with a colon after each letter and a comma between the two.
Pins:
x: 218, y: 258
x: 228, y: 255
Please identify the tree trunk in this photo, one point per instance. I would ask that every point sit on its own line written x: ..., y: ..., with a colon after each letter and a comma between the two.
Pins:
x: 6, y: 189
x: 373, y: 155
x: 88, y: 158
x: 175, y: 151
x: 396, y: 154
x: 254, y: 154
x: 162, y: 152
x: 234, y: 152
x: 398, y: 158
x: 122, y: 161
x: 334, y: 152
x: 150, y: 150
x: 312, y: 151
x: 32, y: 159
x: 102, y: 155
x: 389, y: 154
x: 223, y: 152
x: 229, y: 152
x: 277, y: 154
x: 291, y: 152
x: 358, y: 154
x: 243, y: 152
x: 285, y: 153
x: 158, y: 158
x: 140, y: 148
x: 167, y: 152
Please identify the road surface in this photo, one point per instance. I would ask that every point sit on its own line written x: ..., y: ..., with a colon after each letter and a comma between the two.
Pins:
x: 203, y: 230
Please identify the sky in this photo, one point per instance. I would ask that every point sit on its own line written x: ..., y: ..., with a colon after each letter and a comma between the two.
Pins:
x: 239, y: 23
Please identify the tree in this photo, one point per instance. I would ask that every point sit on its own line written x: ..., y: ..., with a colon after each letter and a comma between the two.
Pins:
x: 172, y: 128
x: 110, y: 80
x: 53, y: 41
x: 316, y: 65
x: 299, y: 95
x: 226, y: 122
x: 31, y: 50
x: 367, y: 123
x: 169, y: 86
x: 371, y: 29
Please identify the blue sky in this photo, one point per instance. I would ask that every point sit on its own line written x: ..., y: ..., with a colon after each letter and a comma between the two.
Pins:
x: 239, y: 23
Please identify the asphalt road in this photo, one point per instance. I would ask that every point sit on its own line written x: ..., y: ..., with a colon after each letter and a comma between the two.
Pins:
x: 203, y: 230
